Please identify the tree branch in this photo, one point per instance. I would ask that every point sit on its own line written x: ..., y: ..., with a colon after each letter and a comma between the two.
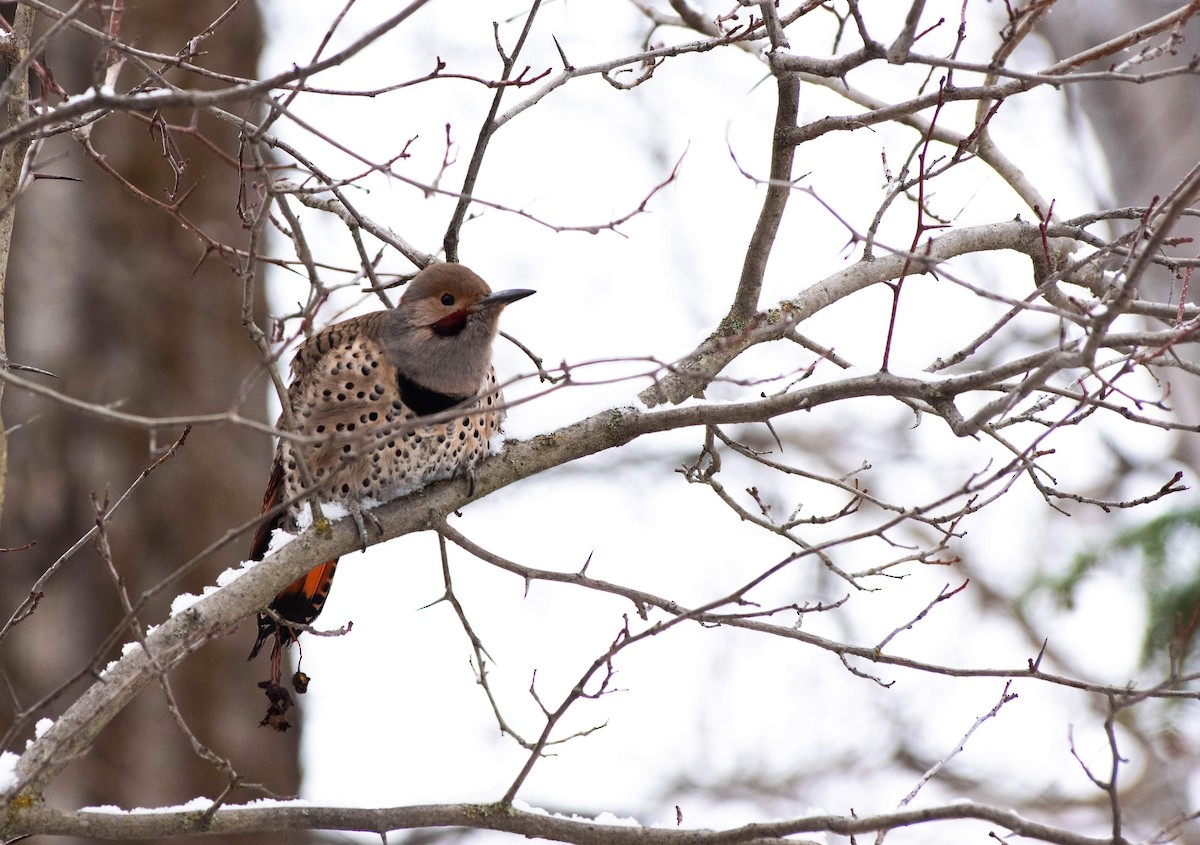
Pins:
x: 529, y: 824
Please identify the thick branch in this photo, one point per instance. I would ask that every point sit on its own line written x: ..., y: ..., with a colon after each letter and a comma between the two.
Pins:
x: 531, y: 825
x: 173, y: 640
x: 745, y: 301
x: 695, y: 370
x: 13, y: 178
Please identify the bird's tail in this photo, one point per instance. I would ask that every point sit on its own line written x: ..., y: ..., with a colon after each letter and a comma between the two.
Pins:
x: 300, y: 601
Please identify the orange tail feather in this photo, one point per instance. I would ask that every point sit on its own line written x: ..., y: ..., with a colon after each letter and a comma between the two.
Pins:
x: 300, y: 601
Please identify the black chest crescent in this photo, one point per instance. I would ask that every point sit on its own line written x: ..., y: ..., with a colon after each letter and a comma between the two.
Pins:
x: 424, y: 401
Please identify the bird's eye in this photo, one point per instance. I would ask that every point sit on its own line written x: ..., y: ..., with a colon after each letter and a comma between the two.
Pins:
x: 447, y: 299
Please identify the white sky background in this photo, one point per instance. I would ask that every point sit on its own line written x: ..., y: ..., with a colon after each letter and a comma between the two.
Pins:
x: 394, y: 715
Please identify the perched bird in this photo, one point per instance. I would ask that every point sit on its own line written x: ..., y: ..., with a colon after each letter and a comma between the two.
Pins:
x: 364, y: 387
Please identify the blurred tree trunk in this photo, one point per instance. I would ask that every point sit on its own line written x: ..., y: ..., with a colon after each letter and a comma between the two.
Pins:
x: 124, y: 305
x: 1145, y: 132
x: 1139, y: 127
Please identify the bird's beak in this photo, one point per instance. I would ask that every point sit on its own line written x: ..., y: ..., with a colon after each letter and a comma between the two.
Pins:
x: 501, y: 298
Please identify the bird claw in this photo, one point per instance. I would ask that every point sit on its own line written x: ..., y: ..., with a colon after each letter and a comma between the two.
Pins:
x: 357, y: 513
x: 469, y: 474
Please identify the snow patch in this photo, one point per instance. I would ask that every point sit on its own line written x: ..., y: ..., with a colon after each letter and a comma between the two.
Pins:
x: 303, y: 518
x: 85, y: 97
x: 604, y: 817
x: 518, y: 804
x: 126, y: 650
x: 279, y: 539
x: 234, y: 572
x: 75, y: 99
x: 8, y: 771
x: 184, y: 601
x: 194, y: 805
x: 613, y: 820
x: 260, y: 803
x: 333, y: 511
x: 39, y: 731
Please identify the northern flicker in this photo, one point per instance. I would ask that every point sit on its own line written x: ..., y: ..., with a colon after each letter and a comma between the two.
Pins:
x: 363, y: 386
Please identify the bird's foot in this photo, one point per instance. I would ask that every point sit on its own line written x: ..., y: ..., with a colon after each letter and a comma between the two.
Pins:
x: 467, y: 473
x: 361, y: 517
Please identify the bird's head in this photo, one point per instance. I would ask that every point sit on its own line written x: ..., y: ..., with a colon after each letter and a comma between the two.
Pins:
x: 445, y: 298
x: 445, y: 324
